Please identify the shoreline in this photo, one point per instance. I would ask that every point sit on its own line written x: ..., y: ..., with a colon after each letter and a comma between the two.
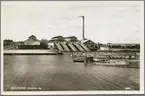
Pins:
x: 31, y: 52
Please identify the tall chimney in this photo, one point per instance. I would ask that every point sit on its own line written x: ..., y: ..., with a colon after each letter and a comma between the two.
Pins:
x: 83, y: 35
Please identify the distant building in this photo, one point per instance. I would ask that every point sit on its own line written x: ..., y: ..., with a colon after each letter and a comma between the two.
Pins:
x: 120, y: 47
x: 123, y: 46
x: 32, y: 43
x: 32, y: 40
x: 71, y: 39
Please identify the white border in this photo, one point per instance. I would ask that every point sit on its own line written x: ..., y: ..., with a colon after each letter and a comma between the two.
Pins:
x: 142, y: 47
x: 141, y: 91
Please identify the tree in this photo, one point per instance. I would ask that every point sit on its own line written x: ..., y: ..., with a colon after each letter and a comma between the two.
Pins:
x: 8, y: 42
x: 44, y: 42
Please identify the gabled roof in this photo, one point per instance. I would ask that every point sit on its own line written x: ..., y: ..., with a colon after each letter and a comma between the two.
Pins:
x: 32, y: 36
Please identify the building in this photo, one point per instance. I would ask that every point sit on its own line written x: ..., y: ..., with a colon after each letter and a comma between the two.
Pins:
x: 90, y: 44
x: 32, y: 43
x: 32, y: 40
x: 71, y: 39
x: 124, y: 45
x: 58, y: 38
x: 120, y: 47
x: 51, y: 43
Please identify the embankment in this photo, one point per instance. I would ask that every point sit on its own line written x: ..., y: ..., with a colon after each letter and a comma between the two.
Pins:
x: 30, y: 52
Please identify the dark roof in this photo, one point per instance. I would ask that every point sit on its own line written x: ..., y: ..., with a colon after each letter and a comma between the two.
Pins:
x: 32, y: 37
x: 51, y: 40
x: 57, y: 37
x: 71, y: 37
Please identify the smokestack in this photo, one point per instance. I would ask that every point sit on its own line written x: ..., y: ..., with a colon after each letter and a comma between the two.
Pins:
x: 83, y: 35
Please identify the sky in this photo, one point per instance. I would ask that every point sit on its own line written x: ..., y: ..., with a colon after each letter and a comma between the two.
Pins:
x: 105, y: 22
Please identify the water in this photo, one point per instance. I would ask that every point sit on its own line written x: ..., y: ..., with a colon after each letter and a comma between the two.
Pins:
x: 58, y: 72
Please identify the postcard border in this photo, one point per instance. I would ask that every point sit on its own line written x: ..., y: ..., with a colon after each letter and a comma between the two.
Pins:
x: 85, y: 92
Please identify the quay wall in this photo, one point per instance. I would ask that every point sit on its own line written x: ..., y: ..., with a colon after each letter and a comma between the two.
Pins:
x: 30, y: 52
